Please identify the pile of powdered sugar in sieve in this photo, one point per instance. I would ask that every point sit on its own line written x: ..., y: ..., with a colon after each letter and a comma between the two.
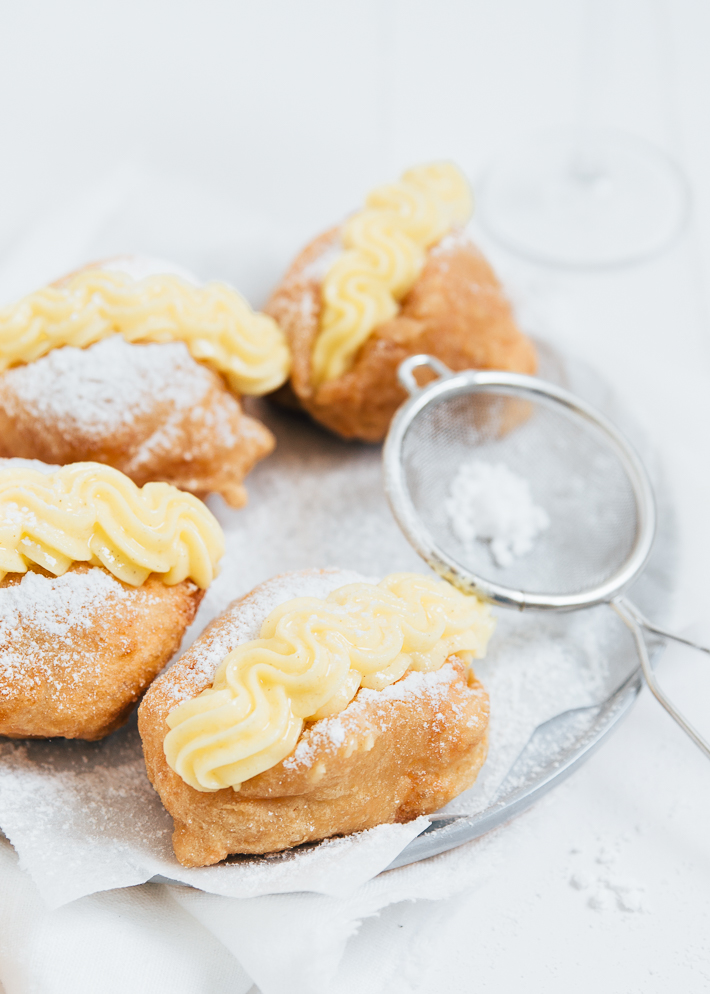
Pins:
x: 489, y: 502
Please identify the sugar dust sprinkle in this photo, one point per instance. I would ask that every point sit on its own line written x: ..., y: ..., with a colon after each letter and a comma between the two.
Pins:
x: 488, y: 502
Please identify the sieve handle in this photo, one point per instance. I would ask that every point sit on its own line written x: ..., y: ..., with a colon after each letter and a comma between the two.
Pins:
x: 405, y: 372
x: 643, y: 621
x: 635, y: 621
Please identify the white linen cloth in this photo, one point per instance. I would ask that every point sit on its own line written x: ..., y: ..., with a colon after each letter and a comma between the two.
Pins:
x: 161, y: 937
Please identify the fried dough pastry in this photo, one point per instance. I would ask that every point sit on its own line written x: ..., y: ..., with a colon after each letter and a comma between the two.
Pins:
x: 389, y: 755
x: 78, y: 650
x: 150, y: 411
x: 456, y: 310
x: 147, y: 406
x: 98, y: 582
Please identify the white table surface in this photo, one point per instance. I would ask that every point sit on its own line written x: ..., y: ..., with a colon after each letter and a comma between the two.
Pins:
x: 275, y: 118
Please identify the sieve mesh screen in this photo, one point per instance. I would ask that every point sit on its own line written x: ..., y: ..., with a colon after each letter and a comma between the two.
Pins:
x: 574, y: 473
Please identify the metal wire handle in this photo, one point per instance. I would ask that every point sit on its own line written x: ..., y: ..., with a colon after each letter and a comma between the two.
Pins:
x: 635, y: 621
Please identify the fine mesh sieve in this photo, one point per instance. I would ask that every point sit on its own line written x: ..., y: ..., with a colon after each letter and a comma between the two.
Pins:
x: 583, y: 477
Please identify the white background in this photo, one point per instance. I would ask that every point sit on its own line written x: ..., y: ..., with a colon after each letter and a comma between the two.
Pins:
x: 239, y: 130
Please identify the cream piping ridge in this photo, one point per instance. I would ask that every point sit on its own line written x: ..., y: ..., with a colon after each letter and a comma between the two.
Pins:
x: 88, y: 512
x: 312, y: 657
x: 218, y: 326
x: 384, y: 252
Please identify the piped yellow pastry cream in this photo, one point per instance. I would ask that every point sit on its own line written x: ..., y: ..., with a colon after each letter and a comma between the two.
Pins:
x: 218, y: 326
x: 88, y: 512
x: 384, y: 252
x: 312, y: 657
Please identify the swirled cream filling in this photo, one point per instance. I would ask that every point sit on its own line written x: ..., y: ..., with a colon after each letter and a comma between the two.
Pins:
x: 87, y: 512
x: 384, y: 251
x: 215, y: 322
x: 312, y: 657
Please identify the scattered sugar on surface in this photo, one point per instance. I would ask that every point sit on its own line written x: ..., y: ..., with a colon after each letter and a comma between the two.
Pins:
x: 539, y: 666
x: 599, y: 879
x: 489, y: 502
x: 107, y: 386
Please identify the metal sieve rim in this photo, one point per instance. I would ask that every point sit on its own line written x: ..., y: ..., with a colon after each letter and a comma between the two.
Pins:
x: 450, y: 385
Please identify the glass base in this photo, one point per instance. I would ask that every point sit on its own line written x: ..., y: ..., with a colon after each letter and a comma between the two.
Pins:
x: 584, y: 199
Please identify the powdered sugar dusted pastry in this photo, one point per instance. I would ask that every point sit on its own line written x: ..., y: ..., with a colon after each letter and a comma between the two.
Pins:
x: 130, y: 365
x: 397, y: 278
x: 98, y: 582
x: 317, y: 705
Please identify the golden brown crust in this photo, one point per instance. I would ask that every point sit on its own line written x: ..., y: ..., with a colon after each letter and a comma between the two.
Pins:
x: 456, y: 310
x: 390, y: 756
x: 79, y: 675
x: 205, y: 446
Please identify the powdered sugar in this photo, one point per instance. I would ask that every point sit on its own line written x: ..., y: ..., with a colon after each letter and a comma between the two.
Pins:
x: 56, y: 604
x: 41, y: 621
x: 307, y: 306
x: 413, y: 686
x: 455, y: 240
x: 489, y: 502
x: 600, y: 882
x: 39, y: 467
x: 141, y: 266
x: 245, y: 621
x: 110, y: 385
x: 330, y: 733
x: 316, y: 269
